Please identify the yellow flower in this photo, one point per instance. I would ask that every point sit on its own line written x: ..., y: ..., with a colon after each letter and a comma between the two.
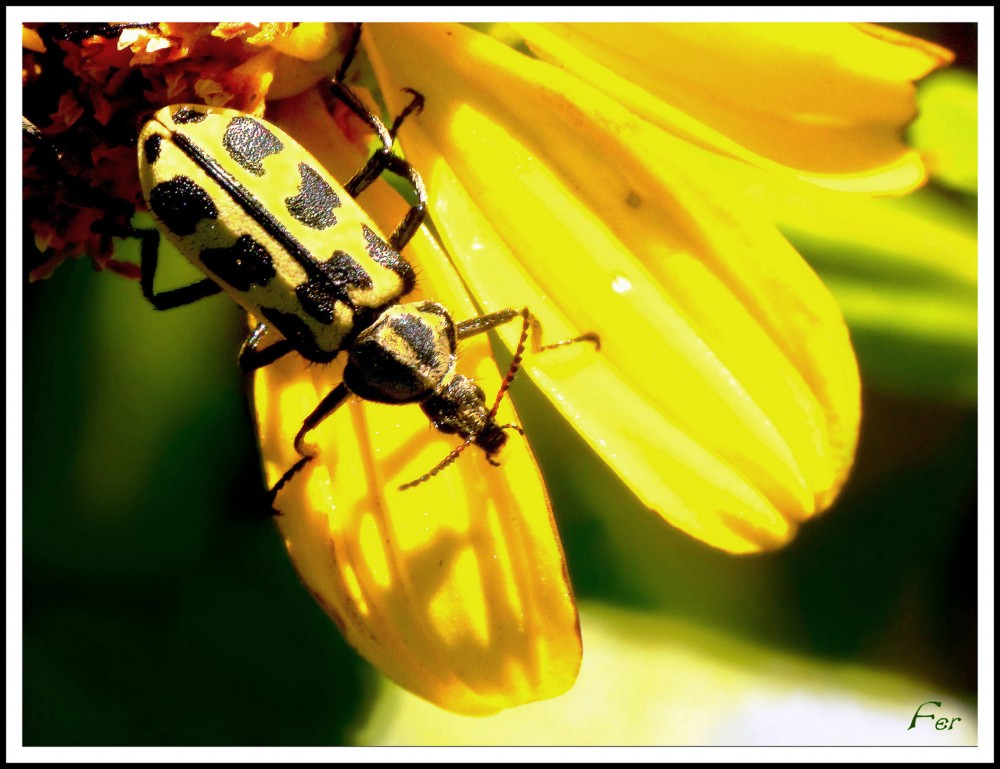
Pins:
x: 725, y: 393
x: 822, y: 101
x: 457, y: 588
x: 904, y: 271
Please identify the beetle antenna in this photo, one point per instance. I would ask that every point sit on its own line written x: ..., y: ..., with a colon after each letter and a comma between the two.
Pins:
x: 453, y: 456
x: 515, y: 364
x: 439, y: 466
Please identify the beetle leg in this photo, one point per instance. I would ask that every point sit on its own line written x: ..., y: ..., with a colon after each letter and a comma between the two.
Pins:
x: 415, y: 107
x: 484, y: 323
x: 330, y: 403
x: 383, y: 159
x: 175, y: 297
x: 352, y: 48
x: 415, y: 216
x: 251, y: 358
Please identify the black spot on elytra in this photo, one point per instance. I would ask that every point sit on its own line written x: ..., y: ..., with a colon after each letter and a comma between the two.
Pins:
x: 295, y: 330
x: 317, y: 300
x: 186, y: 115
x: 180, y: 204
x: 151, y: 148
x: 338, y: 274
x: 314, y: 204
x: 242, y: 264
x: 248, y: 142
x: 341, y: 270
x: 382, y: 253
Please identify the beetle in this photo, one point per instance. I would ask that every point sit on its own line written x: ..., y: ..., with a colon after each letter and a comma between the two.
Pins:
x: 254, y: 211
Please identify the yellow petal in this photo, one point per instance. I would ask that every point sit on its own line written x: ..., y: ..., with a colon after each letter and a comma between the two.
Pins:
x: 293, y: 75
x: 309, y: 41
x: 827, y: 101
x: 31, y: 40
x: 904, y: 271
x: 456, y: 589
x: 310, y: 53
x: 725, y: 392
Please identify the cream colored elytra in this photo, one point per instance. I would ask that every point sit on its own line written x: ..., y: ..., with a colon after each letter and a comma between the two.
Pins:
x: 252, y: 209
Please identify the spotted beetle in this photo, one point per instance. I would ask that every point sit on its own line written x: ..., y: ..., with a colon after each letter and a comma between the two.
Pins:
x: 255, y: 212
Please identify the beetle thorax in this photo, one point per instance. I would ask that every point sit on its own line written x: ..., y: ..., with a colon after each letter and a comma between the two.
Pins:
x: 407, y: 355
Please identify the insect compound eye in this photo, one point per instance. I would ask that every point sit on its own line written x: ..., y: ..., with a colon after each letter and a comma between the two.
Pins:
x: 491, y: 439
